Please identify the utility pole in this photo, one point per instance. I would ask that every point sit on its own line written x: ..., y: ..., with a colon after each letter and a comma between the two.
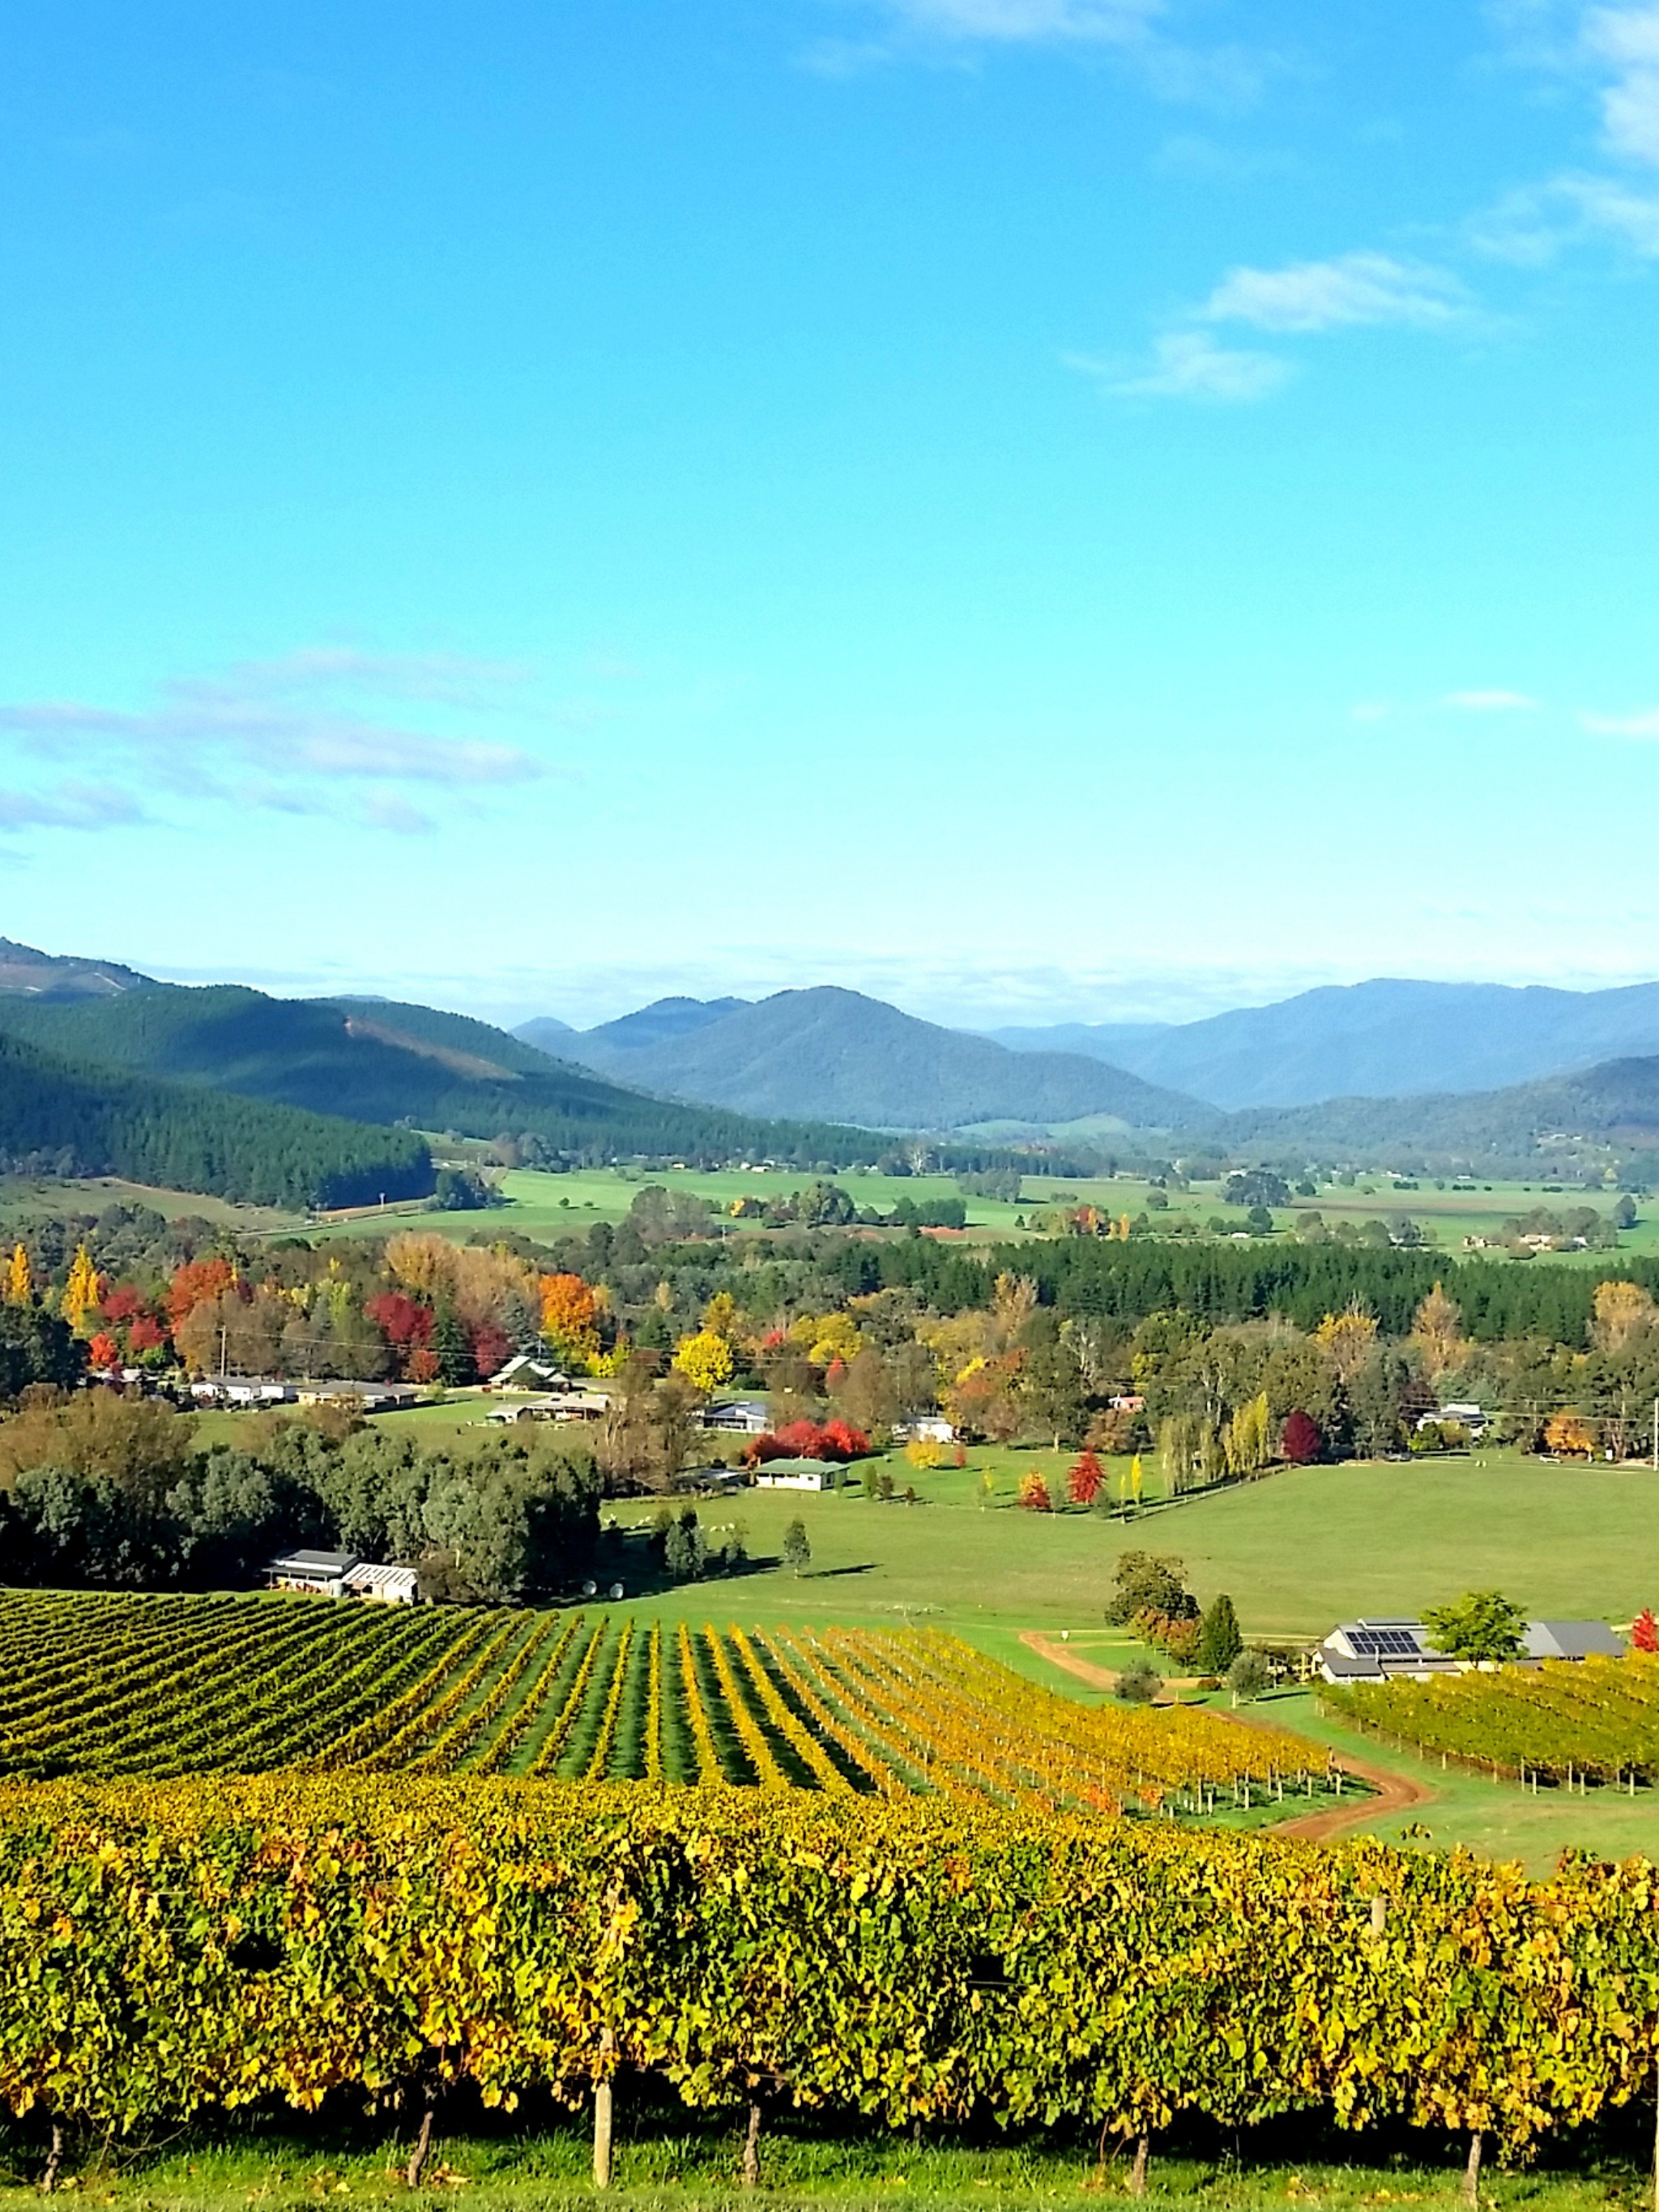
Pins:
x: 1655, y: 1434
x: 224, y: 1333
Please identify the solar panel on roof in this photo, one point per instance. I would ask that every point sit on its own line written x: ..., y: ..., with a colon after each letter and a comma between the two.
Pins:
x: 1384, y: 1644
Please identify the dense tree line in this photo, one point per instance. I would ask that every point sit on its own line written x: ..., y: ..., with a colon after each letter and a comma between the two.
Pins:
x: 57, y: 1118
x: 105, y: 1493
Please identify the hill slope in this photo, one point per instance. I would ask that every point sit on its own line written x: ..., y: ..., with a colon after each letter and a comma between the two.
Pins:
x: 839, y: 1056
x: 58, y: 1117
x: 1382, y: 1039
x: 377, y: 1060
x: 53, y: 976
x: 1615, y: 1104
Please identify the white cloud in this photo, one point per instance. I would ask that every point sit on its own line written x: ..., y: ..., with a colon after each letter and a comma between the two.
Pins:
x: 1009, y: 22
x: 1353, y: 289
x: 1491, y: 703
x: 1645, y: 723
x: 1188, y: 365
x: 1626, y: 39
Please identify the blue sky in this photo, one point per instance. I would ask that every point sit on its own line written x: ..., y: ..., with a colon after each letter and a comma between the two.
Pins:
x: 1038, y: 509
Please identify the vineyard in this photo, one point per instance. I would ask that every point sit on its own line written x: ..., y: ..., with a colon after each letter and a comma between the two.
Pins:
x: 174, y: 1949
x: 1566, y: 1723
x: 104, y: 1686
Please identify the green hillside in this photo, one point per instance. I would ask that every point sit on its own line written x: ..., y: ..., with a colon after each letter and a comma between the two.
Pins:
x: 59, y: 1117
x: 376, y: 1060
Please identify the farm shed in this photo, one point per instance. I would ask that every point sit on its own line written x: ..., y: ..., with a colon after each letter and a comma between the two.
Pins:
x: 322, y: 1573
x: 387, y: 1585
x: 799, y: 1474
x: 1379, y: 1651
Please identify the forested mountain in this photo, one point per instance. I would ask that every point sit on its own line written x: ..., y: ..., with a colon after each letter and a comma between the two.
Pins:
x: 1616, y: 1103
x: 1377, y: 1039
x: 58, y: 1117
x: 663, y: 1019
x: 547, y: 1033
x: 47, y: 974
x: 840, y: 1056
x: 377, y: 1060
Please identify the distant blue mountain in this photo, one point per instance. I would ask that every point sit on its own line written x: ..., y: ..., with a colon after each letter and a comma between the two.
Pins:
x: 1377, y: 1039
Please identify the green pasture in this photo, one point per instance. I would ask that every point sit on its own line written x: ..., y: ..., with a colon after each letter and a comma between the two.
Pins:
x: 667, y: 2156
x: 1297, y: 1552
x: 545, y: 1207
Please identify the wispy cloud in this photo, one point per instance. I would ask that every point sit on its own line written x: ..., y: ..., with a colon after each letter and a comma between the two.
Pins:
x: 1188, y: 365
x: 70, y: 806
x: 1008, y: 22
x: 1625, y: 41
x: 1616, y: 49
x: 1222, y: 75
x: 1351, y: 289
x: 1491, y: 703
x: 277, y: 734
x: 1644, y: 723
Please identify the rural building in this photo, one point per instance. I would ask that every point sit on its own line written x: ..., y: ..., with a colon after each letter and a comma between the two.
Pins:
x: 526, y: 1372
x: 738, y: 1417
x: 530, y: 1409
x: 1466, y: 1417
x: 929, y: 1429
x: 799, y: 1474
x: 1381, y: 1651
x: 582, y: 1406
x: 241, y: 1390
x: 322, y: 1573
x: 368, y: 1397
x: 386, y: 1585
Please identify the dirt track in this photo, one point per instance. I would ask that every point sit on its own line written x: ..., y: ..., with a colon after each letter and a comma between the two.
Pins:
x: 1393, y: 1792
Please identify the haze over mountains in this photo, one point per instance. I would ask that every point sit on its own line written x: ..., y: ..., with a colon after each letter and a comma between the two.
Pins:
x: 863, y: 1062
x: 1378, y: 1040
x: 104, y: 1070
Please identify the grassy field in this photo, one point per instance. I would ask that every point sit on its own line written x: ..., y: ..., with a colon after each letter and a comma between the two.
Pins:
x: 25, y: 1198
x: 547, y: 1205
x: 666, y: 2157
x: 1298, y: 1551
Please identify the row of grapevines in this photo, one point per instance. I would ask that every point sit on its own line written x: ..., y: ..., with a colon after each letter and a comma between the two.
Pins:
x: 906, y: 1959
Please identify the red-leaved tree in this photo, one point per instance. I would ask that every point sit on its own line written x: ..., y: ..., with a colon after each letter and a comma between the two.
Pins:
x: 1084, y: 1479
x: 1644, y: 1631
x: 1034, y: 1493
x: 1302, y: 1442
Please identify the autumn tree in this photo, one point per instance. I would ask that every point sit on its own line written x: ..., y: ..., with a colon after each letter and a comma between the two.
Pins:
x: 569, y: 1319
x: 81, y: 1293
x: 1437, y: 1332
x: 1623, y: 1311
x: 1644, y: 1631
x: 1346, y: 1339
x: 20, y: 1282
x: 1085, y: 1479
x: 704, y: 1359
x: 1033, y: 1494
x: 1300, y: 1441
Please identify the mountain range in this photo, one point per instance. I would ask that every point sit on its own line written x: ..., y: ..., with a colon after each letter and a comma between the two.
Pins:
x: 861, y: 1061
x: 378, y: 1060
x: 1379, y: 1040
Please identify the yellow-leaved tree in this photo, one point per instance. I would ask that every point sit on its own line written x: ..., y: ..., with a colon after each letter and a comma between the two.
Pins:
x: 704, y: 1359
x: 1346, y: 1339
x: 20, y: 1282
x: 1437, y: 1331
x: 81, y: 1293
x: 1622, y: 1311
